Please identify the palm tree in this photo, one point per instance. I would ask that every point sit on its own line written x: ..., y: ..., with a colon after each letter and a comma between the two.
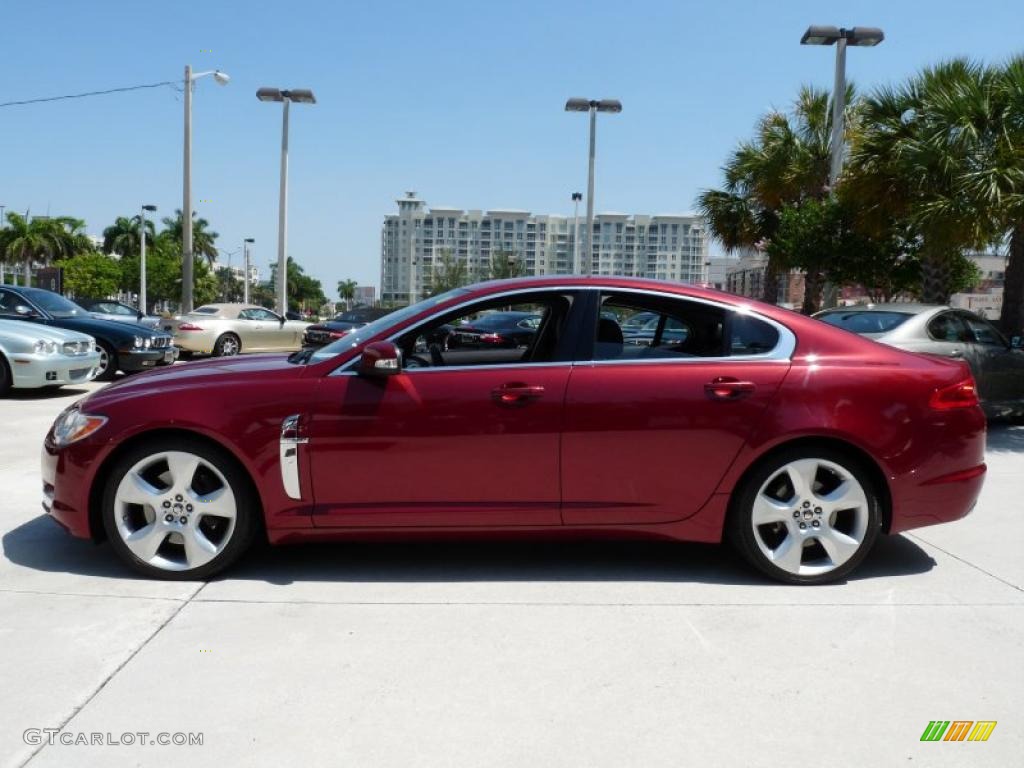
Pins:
x: 923, y: 154
x: 38, y: 239
x: 786, y: 163
x: 203, y: 239
x: 347, y: 291
x: 122, y: 237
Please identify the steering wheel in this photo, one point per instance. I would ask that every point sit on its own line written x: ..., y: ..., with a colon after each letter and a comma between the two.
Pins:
x: 416, y: 361
x: 436, y: 359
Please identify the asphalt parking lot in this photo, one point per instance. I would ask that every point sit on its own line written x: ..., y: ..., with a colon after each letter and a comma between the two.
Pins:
x: 510, y: 654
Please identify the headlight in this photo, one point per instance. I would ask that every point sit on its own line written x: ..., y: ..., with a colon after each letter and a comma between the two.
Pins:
x: 72, y: 425
x: 138, y: 342
x: 43, y: 347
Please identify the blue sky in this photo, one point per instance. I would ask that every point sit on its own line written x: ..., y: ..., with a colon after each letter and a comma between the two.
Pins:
x: 460, y: 101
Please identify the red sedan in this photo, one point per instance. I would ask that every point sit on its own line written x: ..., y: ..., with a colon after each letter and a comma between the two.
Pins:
x: 798, y: 441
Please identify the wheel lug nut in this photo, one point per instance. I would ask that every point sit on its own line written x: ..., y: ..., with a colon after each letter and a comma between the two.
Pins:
x: 803, y: 526
x: 796, y: 515
x: 183, y: 520
x: 178, y: 497
x: 167, y: 505
x: 817, y: 510
x: 806, y: 504
x: 188, y: 507
x: 168, y: 518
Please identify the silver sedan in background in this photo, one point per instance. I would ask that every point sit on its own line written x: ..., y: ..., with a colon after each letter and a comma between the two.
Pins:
x: 997, y: 363
x: 34, y: 356
x: 223, y: 330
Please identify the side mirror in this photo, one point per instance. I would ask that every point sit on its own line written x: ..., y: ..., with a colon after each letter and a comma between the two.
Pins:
x: 1016, y: 342
x: 25, y: 311
x: 381, y: 358
x: 139, y: 315
x: 281, y: 321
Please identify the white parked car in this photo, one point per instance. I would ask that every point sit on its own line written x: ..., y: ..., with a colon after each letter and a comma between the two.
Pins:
x: 34, y: 355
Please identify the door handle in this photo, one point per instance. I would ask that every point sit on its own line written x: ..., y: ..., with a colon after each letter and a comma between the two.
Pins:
x: 516, y: 394
x: 956, y: 353
x: 728, y: 388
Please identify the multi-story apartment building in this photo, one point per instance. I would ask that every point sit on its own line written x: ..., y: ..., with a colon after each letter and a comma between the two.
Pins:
x: 666, y: 247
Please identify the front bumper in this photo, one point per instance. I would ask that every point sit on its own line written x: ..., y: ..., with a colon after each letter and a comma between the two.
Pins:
x: 34, y: 371
x: 133, y: 360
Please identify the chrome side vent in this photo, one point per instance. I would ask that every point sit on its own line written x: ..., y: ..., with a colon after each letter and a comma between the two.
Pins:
x: 291, y: 439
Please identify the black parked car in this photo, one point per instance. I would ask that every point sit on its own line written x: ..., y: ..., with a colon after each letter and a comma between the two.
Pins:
x: 495, y: 330
x: 330, y: 330
x: 123, y: 347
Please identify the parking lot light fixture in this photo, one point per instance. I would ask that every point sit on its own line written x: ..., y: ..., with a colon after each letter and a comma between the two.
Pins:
x: 142, y: 257
x: 286, y: 96
x: 592, y: 106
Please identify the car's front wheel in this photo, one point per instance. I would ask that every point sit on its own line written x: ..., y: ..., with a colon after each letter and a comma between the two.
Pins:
x: 178, y: 508
x: 107, y: 367
x: 806, y: 516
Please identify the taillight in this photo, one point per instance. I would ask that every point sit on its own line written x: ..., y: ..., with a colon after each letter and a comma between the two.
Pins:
x: 492, y: 338
x: 189, y: 327
x: 963, y: 394
x: 338, y: 334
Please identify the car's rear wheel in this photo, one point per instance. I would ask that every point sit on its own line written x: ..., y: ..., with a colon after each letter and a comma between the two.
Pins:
x: 227, y: 345
x: 107, y: 366
x: 178, y: 508
x: 806, y: 516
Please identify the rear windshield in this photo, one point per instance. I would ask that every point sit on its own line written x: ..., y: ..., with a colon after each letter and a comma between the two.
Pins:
x: 866, y: 321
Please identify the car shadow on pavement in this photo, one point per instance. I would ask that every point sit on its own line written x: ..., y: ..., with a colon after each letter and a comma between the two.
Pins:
x: 1005, y: 439
x: 45, y: 393
x: 41, y: 545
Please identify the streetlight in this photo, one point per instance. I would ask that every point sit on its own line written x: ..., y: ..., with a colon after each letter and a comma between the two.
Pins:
x: 592, y: 106
x: 186, y: 208
x: 245, y: 256
x: 142, y: 257
x: 576, y: 197
x: 841, y: 37
x: 3, y: 224
x: 301, y: 96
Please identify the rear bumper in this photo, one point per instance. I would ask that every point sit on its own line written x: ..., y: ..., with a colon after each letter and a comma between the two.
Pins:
x: 940, y: 500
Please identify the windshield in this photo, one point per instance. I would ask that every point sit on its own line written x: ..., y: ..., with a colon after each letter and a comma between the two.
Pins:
x: 866, y: 321
x: 356, y: 338
x: 54, y: 304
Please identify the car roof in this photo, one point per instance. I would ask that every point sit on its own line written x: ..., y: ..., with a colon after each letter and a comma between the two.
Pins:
x: 910, y: 308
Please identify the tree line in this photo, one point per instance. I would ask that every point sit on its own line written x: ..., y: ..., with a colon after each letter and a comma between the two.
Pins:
x: 934, y: 170
x: 89, y: 271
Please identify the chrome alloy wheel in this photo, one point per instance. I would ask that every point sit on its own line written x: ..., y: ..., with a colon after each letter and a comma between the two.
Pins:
x: 228, y: 346
x: 810, y: 517
x: 104, y: 363
x: 175, y: 511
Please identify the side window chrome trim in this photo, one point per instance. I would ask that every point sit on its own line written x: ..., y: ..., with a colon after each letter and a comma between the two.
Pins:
x: 782, y: 352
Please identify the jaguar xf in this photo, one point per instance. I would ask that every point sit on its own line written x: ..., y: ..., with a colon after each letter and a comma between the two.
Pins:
x: 798, y: 442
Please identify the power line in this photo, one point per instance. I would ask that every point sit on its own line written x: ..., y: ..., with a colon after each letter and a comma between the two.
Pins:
x: 171, y: 83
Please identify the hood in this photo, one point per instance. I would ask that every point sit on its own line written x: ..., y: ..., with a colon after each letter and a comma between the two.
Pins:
x: 206, y: 374
x: 105, y: 328
x: 40, y: 331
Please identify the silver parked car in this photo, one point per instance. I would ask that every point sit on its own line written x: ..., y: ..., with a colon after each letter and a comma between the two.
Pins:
x: 33, y: 356
x: 228, y: 329
x: 997, y: 363
x: 111, y: 309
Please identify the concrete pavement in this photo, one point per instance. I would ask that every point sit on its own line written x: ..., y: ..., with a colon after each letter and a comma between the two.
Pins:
x: 510, y: 654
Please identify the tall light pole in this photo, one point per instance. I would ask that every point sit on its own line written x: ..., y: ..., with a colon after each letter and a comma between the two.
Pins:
x: 142, y: 257
x: 287, y: 96
x: 576, y: 197
x: 841, y: 37
x: 245, y: 257
x: 593, y: 106
x: 3, y: 225
x: 186, y: 206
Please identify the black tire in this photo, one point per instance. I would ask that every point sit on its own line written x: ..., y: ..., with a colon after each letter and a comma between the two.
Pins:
x: 740, y: 529
x: 5, y: 377
x: 110, y: 367
x: 227, y: 345
x: 248, y: 508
